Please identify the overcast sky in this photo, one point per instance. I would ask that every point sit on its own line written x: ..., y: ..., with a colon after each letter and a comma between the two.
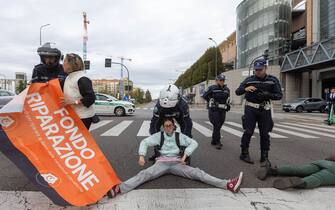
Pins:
x: 160, y: 36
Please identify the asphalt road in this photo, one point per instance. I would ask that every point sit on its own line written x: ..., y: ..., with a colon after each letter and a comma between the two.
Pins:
x: 293, y: 143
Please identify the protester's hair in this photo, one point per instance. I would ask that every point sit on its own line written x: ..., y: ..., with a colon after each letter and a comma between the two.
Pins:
x: 75, y: 62
x: 168, y: 119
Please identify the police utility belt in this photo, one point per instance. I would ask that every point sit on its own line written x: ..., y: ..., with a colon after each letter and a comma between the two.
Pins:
x: 217, y: 105
x: 266, y: 105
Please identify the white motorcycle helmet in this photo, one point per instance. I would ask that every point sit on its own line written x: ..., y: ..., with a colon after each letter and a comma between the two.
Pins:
x: 169, y: 96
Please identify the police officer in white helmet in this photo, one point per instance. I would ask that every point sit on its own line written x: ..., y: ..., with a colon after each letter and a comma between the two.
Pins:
x: 171, y: 104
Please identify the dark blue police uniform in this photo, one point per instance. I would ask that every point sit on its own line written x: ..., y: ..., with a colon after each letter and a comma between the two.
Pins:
x: 218, y: 104
x: 258, y: 109
x: 180, y: 113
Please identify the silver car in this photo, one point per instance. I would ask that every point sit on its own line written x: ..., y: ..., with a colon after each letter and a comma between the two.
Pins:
x: 306, y: 104
x: 5, y: 97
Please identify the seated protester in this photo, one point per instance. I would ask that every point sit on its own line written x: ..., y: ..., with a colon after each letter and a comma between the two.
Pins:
x: 312, y: 175
x: 171, y: 163
x: 78, y: 90
x: 171, y: 104
x: 49, y: 68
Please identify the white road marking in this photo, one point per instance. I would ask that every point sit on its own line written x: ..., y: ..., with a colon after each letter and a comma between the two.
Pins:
x: 230, y: 130
x: 305, y: 130
x: 99, y: 124
x: 118, y: 129
x: 202, y: 129
x: 329, y: 130
x: 144, y: 130
x: 273, y: 135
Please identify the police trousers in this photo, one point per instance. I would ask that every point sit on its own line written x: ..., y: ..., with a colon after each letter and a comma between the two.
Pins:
x: 265, y: 124
x: 175, y: 168
x: 217, y: 117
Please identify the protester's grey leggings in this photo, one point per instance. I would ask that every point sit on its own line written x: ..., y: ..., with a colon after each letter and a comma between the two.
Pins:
x: 175, y: 168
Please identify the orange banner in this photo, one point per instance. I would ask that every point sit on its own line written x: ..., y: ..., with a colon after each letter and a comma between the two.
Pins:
x: 59, y: 146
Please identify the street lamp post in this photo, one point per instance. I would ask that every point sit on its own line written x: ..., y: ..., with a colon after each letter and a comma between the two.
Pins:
x: 216, y: 55
x: 125, y: 67
x: 121, y: 81
x: 41, y: 32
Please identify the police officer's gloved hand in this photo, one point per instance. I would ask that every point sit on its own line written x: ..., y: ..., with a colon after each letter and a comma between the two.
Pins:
x: 228, y: 108
x: 264, y: 95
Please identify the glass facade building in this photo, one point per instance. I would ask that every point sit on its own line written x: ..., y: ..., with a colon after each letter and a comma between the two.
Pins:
x: 261, y: 25
x: 327, y: 19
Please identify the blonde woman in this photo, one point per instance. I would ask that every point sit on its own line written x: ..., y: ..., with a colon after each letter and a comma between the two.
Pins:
x: 78, y: 90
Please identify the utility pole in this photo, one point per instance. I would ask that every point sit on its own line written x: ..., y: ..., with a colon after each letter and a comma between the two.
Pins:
x: 85, y: 36
x: 121, y: 79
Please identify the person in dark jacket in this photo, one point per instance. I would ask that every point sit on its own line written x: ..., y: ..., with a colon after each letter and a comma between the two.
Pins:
x: 311, y: 175
x: 78, y: 90
x: 259, y: 90
x: 331, y: 106
x: 171, y: 104
x: 49, y: 68
x: 217, y: 97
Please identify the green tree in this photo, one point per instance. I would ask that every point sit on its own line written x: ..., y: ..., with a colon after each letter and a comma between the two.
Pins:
x: 203, y: 69
x: 148, y: 96
x: 138, y: 95
x: 22, y: 85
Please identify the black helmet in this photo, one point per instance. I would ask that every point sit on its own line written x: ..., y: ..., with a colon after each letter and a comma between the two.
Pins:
x: 47, y: 51
x: 220, y: 77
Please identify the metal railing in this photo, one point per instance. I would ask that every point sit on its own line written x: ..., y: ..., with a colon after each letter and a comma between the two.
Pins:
x: 317, y: 53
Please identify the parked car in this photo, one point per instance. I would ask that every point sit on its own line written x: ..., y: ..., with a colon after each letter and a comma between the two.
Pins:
x: 5, y: 97
x: 109, y: 105
x: 306, y: 104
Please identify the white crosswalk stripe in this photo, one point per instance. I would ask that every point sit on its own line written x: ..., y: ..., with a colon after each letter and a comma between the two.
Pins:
x: 294, y: 133
x: 305, y: 130
x: 311, y: 127
x: 202, y: 129
x: 118, y: 129
x: 317, y: 125
x: 99, y: 124
x: 273, y: 135
x: 144, y: 130
x: 229, y: 130
x: 287, y: 129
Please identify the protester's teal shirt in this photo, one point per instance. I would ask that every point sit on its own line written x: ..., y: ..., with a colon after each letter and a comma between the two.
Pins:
x: 169, y: 148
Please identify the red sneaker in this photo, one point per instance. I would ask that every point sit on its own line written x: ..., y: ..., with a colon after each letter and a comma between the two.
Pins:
x: 235, y: 183
x: 114, y: 191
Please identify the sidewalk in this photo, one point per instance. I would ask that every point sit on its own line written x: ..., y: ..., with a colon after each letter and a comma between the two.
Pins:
x: 173, y: 199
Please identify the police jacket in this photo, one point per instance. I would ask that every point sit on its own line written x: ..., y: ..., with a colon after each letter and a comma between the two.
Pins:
x: 219, y: 94
x: 180, y: 113
x: 41, y: 73
x: 268, y: 88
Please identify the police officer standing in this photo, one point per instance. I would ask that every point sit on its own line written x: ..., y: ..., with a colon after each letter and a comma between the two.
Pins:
x: 259, y: 89
x: 217, y: 97
x: 49, y: 68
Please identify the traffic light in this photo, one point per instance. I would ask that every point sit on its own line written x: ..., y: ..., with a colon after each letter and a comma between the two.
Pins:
x: 87, y: 65
x: 108, y: 62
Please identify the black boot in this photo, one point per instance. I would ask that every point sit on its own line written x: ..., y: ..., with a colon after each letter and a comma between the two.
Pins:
x: 265, y: 159
x: 292, y: 182
x: 245, y: 156
x: 265, y: 172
